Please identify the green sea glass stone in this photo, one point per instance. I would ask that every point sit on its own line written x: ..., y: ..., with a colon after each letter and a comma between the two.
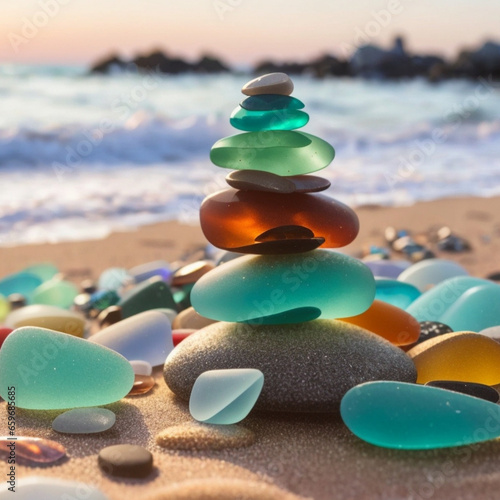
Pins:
x: 4, y: 308
x: 225, y: 397
x: 266, y: 102
x: 52, y: 370
x: 281, y: 152
x: 277, y: 119
x: 45, y: 271
x: 152, y: 293
x: 414, y: 417
x: 285, y: 288
x: 55, y: 293
x: 396, y: 292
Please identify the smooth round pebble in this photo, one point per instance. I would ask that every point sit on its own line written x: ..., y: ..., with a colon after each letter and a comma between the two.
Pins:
x: 194, y: 436
x: 190, y: 319
x: 493, y: 332
x: 431, y: 329
x: 271, y: 83
x: 126, y: 460
x: 84, y: 421
x: 481, y: 391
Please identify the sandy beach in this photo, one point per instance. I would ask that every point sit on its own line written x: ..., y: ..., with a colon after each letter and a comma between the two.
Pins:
x: 294, y: 456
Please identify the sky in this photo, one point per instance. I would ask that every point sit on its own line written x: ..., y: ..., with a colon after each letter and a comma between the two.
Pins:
x: 238, y: 31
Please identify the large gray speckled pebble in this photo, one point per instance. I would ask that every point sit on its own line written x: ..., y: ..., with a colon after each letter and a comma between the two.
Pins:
x: 307, y: 367
x: 84, y: 421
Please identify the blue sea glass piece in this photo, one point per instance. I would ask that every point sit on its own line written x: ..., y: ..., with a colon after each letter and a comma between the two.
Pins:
x: 23, y: 283
x: 278, y: 119
x: 256, y: 289
x: 225, y: 396
x: 415, y: 417
x: 476, y: 309
x: 430, y: 272
x: 265, y: 102
x: 395, y: 292
x: 432, y: 305
x: 387, y: 268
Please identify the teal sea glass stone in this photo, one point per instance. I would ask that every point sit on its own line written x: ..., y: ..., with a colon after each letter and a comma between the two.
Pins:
x: 417, y: 417
x: 278, y: 119
x: 103, y: 299
x: 281, y: 152
x: 395, y: 292
x: 152, y: 293
x: 55, y: 293
x: 23, y: 283
x: 45, y: 271
x: 225, y: 397
x: 476, y: 309
x: 433, y: 304
x: 52, y: 370
x: 266, y: 102
x: 255, y: 289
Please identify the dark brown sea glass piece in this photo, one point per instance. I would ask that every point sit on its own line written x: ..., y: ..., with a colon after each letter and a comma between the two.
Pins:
x: 142, y: 384
x: 32, y: 450
x: 257, y: 180
x: 238, y: 220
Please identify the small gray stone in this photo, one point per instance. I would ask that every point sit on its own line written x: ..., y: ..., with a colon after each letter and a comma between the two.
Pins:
x: 307, y: 367
x: 84, y: 421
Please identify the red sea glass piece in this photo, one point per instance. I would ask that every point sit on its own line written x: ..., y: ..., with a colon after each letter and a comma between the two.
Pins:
x: 235, y: 220
x: 180, y: 334
x: 4, y: 331
x: 32, y: 450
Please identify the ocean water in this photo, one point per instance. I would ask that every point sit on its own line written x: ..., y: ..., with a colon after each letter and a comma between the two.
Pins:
x: 83, y: 155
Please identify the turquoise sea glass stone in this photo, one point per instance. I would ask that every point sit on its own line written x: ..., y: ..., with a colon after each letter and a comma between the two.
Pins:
x: 102, y: 299
x: 45, y: 271
x: 256, y: 289
x: 278, y: 119
x: 417, y: 417
x: 23, y: 283
x: 152, y: 293
x: 476, y: 309
x: 225, y: 396
x: 55, y: 293
x: 52, y: 370
x: 395, y: 292
x: 281, y: 152
x: 433, y: 304
x: 266, y: 102
x: 114, y: 278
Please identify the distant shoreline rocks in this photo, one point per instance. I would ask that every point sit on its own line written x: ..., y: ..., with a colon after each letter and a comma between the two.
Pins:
x: 368, y: 61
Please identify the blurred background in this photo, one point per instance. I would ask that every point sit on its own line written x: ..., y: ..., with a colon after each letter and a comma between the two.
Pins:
x: 109, y: 109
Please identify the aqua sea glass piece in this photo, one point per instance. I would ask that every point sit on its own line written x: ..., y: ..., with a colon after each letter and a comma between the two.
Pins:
x: 45, y: 271
x: 281, y: 152
x: 23, y: 283
x: 50, y: 488
x: 476, y: 309
x: 52, y: 370
x: 114, y: 278
x: 55, y: 293
x: 265, y: 102
x: 4, y: 308
x: 395, y: 292
x: 278, y: 119
x: 152, y: 293
x: 225, y: 396
x: 430, y: 272
x: 256, y: 289
x: 102, y: 299
x: 432, y: 305
x: 416, y: 417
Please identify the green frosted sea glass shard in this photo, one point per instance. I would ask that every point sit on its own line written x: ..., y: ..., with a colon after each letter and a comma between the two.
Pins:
x: 52, y: 370
x: 265, y: 102
x: 45, y: 271
x: 278, y: 119
x: 225, y: 396
x: 413, y: 417
x: 266, y: 286
x: 281, y: 152
x: 55, y: 293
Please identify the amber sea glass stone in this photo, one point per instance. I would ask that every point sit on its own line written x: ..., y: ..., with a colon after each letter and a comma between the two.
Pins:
x: 239, y: 220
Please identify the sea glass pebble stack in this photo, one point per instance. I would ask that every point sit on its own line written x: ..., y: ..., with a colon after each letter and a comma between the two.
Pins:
x: 280, y: 304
